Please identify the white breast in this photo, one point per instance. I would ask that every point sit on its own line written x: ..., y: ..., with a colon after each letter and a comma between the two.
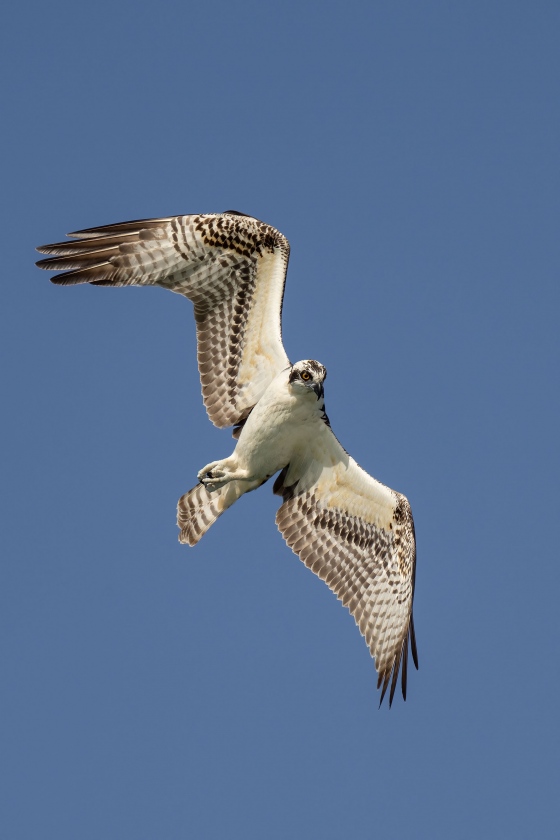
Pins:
x: 277, y: 427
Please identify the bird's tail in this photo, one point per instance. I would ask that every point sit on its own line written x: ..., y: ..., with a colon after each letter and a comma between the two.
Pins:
x: 198, y: 509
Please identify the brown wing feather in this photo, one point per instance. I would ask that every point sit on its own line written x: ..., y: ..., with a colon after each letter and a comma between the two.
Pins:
x: 231, y: 266
x: 358, y: 536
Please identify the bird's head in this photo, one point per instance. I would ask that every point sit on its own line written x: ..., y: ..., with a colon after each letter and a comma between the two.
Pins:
x: 307, y: 375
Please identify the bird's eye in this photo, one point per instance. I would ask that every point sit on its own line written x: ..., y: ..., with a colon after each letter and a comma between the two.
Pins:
x: 305, y: 375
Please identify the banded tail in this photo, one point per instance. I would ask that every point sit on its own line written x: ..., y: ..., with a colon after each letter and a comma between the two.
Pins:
x: 198, y: 509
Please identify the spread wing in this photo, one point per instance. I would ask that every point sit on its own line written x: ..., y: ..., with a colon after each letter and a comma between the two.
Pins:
x: 358, y: 536
x: 232, y: 267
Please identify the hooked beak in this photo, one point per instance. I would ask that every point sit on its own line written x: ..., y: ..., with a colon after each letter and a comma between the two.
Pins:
x: 319, y: 390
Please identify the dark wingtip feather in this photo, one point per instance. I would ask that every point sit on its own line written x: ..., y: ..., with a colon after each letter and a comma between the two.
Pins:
x: 404, y: 673
x: 395, y: 680
x: 121, y: 227
x: 65, y: 280
x: 74, y: 261
x: 386, y: 678
x: 42, y: 263
x: 60, y: 248
x: 90, y: 274
x: 413, y: 642
x: 88, y: 247
x: 400, y: 664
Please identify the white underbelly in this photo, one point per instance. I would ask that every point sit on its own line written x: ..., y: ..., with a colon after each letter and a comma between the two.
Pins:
x: 272, y: 434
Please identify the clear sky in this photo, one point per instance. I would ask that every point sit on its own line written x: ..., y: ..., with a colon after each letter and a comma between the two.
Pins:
x: 409, y: 151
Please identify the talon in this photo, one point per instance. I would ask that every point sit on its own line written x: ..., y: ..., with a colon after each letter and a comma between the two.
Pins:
x: 212, y: 484
x: 209, y: 470
x: 213, y: 476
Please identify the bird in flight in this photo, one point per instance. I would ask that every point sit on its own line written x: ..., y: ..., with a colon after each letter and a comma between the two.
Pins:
x: 351, y: 530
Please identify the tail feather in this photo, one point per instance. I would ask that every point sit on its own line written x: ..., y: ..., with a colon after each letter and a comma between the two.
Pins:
x: 198, y: 509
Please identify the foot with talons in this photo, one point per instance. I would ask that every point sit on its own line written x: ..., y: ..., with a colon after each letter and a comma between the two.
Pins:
x: 214, y: 475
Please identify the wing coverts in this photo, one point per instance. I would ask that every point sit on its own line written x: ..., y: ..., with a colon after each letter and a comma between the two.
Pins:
x: 232, y: 267
x: 369, y: 565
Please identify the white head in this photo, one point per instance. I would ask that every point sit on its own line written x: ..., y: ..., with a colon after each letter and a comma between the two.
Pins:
x: 307, y: 376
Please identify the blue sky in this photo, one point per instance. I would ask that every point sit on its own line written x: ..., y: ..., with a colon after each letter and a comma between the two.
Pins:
x: 409, y: 151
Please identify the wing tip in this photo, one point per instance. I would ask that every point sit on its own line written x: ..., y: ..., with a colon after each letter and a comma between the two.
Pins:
x: 237, y: 213
x: 400, y: 663
x: 413, y: 647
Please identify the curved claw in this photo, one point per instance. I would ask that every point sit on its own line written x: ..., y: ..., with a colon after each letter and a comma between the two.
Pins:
x: 213, y: 483
x: 213, y: 476
x: 209, y: 470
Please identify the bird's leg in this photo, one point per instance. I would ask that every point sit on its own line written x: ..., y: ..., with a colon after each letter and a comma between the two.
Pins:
x: 219, y: 473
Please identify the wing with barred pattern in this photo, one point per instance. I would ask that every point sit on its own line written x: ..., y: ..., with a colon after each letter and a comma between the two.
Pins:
x: 231, y: 266
x: 358, y: 536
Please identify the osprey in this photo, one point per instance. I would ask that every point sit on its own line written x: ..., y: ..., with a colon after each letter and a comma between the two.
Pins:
x: 353, y: 532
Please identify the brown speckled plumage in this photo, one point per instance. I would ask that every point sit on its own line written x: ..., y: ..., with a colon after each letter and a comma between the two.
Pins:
x: 231, y: 266
x: 355, y: 534
x: 369, y: 566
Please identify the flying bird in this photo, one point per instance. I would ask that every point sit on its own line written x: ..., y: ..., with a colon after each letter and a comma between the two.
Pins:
x: 351, y: 530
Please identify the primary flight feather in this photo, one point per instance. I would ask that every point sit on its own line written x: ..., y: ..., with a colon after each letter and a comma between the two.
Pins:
x: 353, y: 532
